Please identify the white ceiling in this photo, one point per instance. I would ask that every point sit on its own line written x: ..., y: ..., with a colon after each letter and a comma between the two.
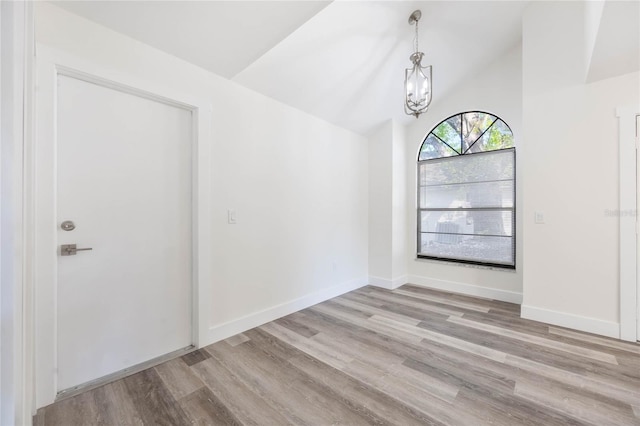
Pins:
x: 617, y: 46
x: 347, y: 63
x: 342, y: 61
x: 222, y: 36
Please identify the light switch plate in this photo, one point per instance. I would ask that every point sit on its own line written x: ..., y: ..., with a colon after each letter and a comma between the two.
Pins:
x: 231, y: 216
x: 539, y: 217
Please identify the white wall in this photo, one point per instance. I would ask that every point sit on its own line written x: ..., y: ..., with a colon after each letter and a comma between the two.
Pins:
x: 496, y: 89
x: 380, y: 208
x: 387, y: 206
x: 399, y: 205
x: 299, y: 184
x: 571, y: 272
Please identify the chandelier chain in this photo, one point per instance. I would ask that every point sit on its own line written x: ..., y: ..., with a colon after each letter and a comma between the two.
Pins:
x: 416, y: 39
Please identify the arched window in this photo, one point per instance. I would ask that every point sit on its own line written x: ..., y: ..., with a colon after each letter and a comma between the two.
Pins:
x: 466, y: 191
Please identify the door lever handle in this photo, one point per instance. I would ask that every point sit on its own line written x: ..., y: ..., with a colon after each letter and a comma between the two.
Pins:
x: 71, y: 249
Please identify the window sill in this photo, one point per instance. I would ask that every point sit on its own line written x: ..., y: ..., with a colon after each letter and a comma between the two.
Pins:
x: 466, y: 264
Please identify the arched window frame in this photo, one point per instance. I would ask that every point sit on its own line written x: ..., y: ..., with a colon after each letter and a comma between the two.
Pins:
x: 452, y: 150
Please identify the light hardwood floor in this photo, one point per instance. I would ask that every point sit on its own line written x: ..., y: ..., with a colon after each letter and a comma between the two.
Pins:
x: 411, y: 356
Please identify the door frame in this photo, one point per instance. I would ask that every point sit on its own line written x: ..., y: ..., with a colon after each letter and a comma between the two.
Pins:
x: 628, y: 219
x: 16, y: 124
x: 50, y: 63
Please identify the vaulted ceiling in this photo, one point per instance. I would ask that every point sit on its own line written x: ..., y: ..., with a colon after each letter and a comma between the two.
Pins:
x: 616, y: 41
x: 342, y: 61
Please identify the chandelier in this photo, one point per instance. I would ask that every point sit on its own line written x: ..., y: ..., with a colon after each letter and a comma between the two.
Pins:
x: 417, y: 79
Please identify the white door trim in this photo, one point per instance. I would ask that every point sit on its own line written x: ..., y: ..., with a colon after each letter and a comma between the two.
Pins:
x: 49, y: 64
x: 627, y: 215
x: 16, y: 343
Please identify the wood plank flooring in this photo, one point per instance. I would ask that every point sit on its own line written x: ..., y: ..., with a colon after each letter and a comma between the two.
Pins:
x: 412, y: 356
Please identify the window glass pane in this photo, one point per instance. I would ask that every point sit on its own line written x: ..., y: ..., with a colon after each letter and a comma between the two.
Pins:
x: 497, y: 137
x: 480, y: 188
x: 467, y: 202
x: 474, y: 222
x: 472, y: 248
x: 473, y: 125
x: 449, y: 131
x: 491, y: 166
x: 468, y: 195
x: 432, y: 147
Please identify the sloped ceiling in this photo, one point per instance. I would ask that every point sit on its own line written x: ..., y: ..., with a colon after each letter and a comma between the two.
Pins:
x: 223, y: 37
x: 342, y: 61
x: 347, y: 63
x: 616, y: 50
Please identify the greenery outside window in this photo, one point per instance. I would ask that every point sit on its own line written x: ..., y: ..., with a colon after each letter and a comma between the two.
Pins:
x: 466, y: 191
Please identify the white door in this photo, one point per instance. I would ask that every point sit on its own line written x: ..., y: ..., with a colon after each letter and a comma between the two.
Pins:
x: 124, y: 180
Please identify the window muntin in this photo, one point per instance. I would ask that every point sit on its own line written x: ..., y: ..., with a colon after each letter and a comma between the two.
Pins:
x: 466, y: 133
x: 466, y: 191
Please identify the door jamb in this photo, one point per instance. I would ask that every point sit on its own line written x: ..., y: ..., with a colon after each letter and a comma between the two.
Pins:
x: 49, y: 64
x: 16, y: 341
x: 628, y: 216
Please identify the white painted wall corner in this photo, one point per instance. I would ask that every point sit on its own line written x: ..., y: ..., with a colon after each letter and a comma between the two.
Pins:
x: 576, y: 322
x: 386, y: 283
x: 256, y: 319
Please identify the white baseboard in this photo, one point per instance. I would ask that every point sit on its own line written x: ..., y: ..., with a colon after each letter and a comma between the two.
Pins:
x: 576, y: 322
x: 467, y: 289
x: 388, y: 284
x: 231, y: 328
